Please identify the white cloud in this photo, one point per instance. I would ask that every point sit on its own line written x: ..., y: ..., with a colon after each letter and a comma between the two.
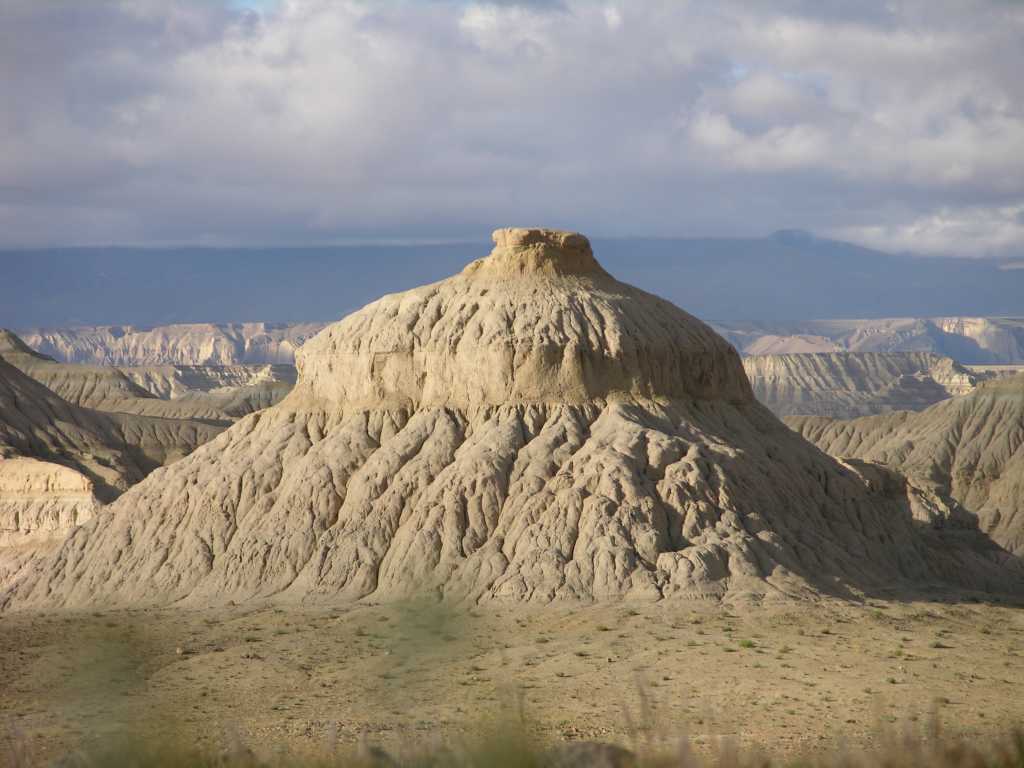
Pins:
x: 973, y: 231
x: 185, y: 120
x: 612, y: 17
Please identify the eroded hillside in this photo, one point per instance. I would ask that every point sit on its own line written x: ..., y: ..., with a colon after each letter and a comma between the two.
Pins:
x: 529, y: 430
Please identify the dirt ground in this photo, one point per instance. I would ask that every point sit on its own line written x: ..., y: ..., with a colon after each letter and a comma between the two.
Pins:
x: 789, y: 678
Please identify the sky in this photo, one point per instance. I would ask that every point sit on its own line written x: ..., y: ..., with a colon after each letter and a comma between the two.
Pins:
x: 894, y: 124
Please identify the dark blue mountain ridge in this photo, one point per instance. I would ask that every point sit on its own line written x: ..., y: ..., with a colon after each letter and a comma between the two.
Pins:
x: 790, y: 275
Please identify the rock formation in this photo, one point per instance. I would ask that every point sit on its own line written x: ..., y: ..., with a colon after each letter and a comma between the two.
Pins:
x: 113, y: 450
x: 87, y: 385
x: 210, y: 393
x: 529, y: 430
x: 850, y: 384
x: 39, y: 503
x: 192, y: 344
x: 170, y: 382
x: 58, y: 461
x: 228, y: 391
x: 965, y: 339
x: 968, y: 451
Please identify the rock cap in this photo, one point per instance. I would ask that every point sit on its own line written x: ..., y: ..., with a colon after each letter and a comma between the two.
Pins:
x: 535, y: 251
x: 536, y: 321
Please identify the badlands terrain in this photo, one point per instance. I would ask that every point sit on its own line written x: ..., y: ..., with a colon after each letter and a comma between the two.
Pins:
x: 592, y: 478
x: 196, y: 344
x: 970, y: 340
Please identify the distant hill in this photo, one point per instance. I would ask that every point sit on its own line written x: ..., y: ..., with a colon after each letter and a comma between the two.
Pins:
x: 966, y: 452
x: 190, y: 344
x: 850, y: 384
x: 969, y: 340
x: 786, y: 277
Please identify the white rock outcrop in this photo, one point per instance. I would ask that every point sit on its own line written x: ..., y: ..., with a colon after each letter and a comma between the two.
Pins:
x: 529, y: 430
x: 41, y: 501
x: 182, y: 344
x: 983, y: 340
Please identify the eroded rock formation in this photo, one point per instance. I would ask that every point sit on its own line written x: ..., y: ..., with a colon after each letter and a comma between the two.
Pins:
x: 968, y: 451
x: 530, y: 430
x: 184, y: 344
x: 850, y: 384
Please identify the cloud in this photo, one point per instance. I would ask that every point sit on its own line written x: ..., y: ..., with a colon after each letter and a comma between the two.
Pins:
x: 976, y: 231
x: 156, y: 121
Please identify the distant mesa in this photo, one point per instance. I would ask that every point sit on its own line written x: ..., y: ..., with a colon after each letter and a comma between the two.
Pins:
x: 968, y: 340
x: 850, y: 384
x: 195, y: 344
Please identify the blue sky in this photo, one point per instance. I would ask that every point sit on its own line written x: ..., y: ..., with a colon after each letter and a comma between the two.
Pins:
x: 897, y: 124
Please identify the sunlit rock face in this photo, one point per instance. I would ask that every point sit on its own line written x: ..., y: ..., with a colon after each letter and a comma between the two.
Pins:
x: 528, y: 430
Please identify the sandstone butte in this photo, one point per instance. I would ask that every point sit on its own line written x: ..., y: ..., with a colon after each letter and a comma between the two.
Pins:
x: 527, y: 430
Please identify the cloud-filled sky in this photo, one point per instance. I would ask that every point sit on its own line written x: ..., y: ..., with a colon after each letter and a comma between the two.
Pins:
x: 898, y: 124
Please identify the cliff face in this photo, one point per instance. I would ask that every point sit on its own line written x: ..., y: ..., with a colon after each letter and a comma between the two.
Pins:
x: 209, y: 393
x: 530, y: 430
x: 169, y: 382
x: 200, y: 344
x: 850, y: 384
x: 965, y: 339
x: 41, y: 501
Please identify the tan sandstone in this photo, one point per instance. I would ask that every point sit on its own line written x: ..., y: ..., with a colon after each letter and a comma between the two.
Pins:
x: 528, y: 430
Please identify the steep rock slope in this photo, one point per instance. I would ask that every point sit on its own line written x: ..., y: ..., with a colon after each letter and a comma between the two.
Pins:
x: 850, y: 384
x: 87, y: 385
x: 529, y: 429
x: 58, y: 461
x: 39, y: 503
x: 969, y: 449
x: 191, y: 344
x: 113, y: 450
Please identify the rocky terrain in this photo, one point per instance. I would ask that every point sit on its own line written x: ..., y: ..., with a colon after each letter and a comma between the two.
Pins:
x: 59, y: 460
x: 41, y: 500
x: 528, y: 430
x: 169, y: 382
x: 198, y: 344
x: 212, y: 393
x: 850, y: 384
x: 968, y: 450
x: 965, y: 339
x: 39, y: 503
x: 969, y: 340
